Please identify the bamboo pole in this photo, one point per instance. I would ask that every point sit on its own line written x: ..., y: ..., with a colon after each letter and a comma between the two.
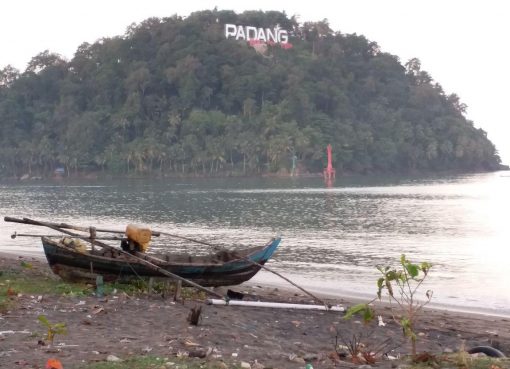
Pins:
x: 114, y: 238
x: 130, y: 256
x: 68, y: 226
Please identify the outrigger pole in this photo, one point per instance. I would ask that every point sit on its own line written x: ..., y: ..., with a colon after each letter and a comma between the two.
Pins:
x: 219, y: 247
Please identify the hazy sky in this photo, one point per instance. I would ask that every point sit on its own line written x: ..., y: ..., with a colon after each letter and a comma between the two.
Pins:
x: 464, y: 45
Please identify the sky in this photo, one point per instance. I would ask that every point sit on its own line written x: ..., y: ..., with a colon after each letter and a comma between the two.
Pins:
x: 462, y: 44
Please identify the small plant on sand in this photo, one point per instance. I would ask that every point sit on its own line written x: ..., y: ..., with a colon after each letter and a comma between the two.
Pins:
x: 361, y: 346
x: 401, y: 287
x: 53, y: 328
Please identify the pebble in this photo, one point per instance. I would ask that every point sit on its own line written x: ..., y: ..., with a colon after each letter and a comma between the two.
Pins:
x: 113, y: 358
x: 299, y: 360
x: 200, y: 353
x: 310, y: 357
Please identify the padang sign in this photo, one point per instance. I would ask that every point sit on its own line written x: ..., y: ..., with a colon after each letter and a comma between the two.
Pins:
x: 254, y: 35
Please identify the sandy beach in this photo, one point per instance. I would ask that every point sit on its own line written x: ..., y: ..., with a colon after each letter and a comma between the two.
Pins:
x: 124, y: 325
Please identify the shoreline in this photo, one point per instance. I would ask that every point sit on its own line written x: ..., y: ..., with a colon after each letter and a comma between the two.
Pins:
x: 286, y: 288
x: 98, y: 176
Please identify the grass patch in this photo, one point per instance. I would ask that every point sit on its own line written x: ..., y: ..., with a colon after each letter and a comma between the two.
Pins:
x: 150, y: 362
x: 24, y: 279
x: 19, y: 282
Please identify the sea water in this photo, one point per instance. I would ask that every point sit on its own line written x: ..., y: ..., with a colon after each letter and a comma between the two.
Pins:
x: 333, y: 235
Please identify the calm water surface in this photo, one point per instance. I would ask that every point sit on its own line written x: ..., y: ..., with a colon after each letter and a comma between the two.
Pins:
x: 333, y: 237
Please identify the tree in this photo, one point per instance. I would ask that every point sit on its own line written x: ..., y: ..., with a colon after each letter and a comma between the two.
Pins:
x: 176, y: 95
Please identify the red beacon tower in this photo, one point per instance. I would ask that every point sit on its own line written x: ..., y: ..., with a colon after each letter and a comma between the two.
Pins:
x: 329, y: 171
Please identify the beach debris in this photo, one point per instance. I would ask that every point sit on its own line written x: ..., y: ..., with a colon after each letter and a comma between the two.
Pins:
x: 257, y: 365
x: 182, y: 354
x: 200, y: 353
x: 274, y: 305
x: 14, y: 332
x: 245, y: 365
x: 381, y: 323
x: 189, y: 343
x: 334, y: 357
x: 487, y: 350
x: 113, y: 358
x: 194, y: 315
x: 310, y: 357
x: 233, y: 295
x: 426, y: 357
x: 235, y: 354
x: 299, y: 360
x: 98, y: 309
x: 390, y: 357
x: 146, y: 349
x: 7, y: 353
x: 54, y: 364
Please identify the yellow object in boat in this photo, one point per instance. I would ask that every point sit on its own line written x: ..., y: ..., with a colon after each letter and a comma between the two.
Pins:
x: 140, y: 235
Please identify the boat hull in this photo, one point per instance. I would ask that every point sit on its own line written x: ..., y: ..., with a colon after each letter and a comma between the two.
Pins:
x: 217, y: 270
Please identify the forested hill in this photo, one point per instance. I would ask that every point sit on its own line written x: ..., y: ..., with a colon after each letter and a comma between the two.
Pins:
x: 174, y: 96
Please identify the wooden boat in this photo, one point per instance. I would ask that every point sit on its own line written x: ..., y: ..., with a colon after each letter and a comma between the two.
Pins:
x: 71, y: 259
x: 73, y: 262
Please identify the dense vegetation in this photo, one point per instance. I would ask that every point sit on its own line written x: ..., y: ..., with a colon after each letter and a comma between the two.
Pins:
x: 173, y: 96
